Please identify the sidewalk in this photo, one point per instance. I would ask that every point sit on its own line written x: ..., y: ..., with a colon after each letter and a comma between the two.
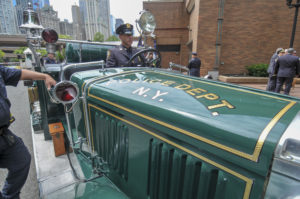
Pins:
x: 295, y: 92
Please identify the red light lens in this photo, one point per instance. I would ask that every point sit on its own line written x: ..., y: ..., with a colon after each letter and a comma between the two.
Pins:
x: 67, y: 97
x: 50, y: 35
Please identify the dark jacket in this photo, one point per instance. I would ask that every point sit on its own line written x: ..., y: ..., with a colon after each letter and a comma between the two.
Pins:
x: 287, y: 66
x: 119, y: 57
x: 194, y: 66
x: 8, y: 76
x: 272, y: 63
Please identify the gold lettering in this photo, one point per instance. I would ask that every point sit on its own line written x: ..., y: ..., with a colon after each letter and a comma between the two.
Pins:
x: 123, y: 81
x: 154, y: 81
x: 168, y: 83
x: 196, y: 90
x: 183, y: 86
x: 136, y: 80
x: 224, y: 103
x: 209, y: 96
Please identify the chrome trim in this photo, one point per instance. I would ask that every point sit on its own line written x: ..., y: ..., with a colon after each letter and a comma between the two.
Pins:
x: 284, y: 163
x: 65, y: 82
x: 180, y: 67
x: 100, y: 63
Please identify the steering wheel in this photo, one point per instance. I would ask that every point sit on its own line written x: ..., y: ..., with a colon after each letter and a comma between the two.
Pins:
x: 147, y: 63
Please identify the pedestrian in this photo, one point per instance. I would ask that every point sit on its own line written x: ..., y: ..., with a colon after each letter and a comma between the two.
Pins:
x: 119, y: 56
x: 50, y: 59
x: 194, y: 65
x: 286, y: 68
x: 272, y: 79
x: 14, y: 155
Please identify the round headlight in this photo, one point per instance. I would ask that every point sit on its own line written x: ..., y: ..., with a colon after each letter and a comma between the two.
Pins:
x: 147, y: 22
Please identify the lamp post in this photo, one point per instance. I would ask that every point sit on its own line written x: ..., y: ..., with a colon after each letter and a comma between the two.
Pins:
x: 291, y: 5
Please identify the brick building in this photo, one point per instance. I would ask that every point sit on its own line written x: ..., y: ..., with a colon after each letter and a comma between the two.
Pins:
x: 227, y: 34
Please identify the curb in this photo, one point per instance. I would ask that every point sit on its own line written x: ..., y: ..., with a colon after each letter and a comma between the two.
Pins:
x: 245, y: 80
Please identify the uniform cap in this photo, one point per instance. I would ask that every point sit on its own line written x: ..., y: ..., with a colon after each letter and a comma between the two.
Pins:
x: 126, y: 29
x: 194, y: 53
x: 278, y: 50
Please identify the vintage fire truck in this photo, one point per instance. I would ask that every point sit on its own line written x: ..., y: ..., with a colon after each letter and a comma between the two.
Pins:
x: 147, y: 132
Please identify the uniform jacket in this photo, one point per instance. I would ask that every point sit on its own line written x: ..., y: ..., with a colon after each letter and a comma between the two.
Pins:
x: 194, y: 66
x: 119, y: 57
x: 8, y: 76
x: 272, y: 63
x: 287, y: 66
x: 49, y: 61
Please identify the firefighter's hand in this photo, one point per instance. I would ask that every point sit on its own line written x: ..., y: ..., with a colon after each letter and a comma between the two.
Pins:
x: 49, y: 81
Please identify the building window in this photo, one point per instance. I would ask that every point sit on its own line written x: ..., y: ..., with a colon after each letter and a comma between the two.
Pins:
x: 168, y: 48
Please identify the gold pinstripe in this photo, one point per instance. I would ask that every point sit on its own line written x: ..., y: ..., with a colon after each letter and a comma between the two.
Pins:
x: 248, y: 181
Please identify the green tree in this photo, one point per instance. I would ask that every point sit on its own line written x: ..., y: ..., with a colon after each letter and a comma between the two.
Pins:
x: 60, y: 55
x: 99, y: 37
x: 20, y: 51
x: 64, y: 36
x: 113, y: 38
x: 42, y: 51
x: 2, y: 54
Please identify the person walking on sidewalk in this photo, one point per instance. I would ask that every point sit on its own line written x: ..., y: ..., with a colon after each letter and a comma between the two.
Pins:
x: 272, y: 79
x: 286, y: 68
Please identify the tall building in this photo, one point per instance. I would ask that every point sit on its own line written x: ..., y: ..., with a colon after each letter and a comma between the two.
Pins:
x: 78, y: 25
x: 38, y: 4
x: 118, y: 23
x: 66, y: 28
x: 48, y: 18
x: 96, y: 17
x: 8, y: 19
x: 20, y: 6
x: 112, y: 25
x: 227, y: 35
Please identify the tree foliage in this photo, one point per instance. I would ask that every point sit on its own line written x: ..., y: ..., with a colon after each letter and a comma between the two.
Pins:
x: 99, y: 37
x: 64, y: 36
x: 2, y: 54
x: 113, y: 38
x: 42, y: 51
x: 20, y: 50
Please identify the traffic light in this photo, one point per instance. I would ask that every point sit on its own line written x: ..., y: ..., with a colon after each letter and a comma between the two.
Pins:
x: 289, y: 2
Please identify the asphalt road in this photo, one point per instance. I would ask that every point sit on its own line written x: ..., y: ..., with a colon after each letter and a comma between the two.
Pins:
x: 22, y: 128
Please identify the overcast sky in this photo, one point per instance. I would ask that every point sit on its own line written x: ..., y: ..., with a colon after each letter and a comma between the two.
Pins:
x: 125, y: 9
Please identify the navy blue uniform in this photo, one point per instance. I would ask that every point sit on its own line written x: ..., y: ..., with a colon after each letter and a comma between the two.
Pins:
x: 119, y: 57
x: 271, y: 69
x: 14, y: 155
x: 286, y: 68
x: 194, y: 66
x: 49, y: 61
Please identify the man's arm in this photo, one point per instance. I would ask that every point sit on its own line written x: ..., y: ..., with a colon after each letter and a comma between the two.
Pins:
x: 110, y: 60
x: 32, y: 75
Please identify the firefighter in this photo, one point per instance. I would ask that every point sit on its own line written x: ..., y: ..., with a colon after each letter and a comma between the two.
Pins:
x: 14, y: 155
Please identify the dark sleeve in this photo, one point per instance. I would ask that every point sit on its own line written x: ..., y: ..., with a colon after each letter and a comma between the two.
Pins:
x: 111, y: 60
x: 189, y: 65
x: 276, y: 67
x: 11, y: 76
x: 298, y: 67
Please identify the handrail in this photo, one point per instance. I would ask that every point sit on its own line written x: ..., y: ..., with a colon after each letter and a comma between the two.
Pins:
x: 181, y: 67
x: 62, y: 75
